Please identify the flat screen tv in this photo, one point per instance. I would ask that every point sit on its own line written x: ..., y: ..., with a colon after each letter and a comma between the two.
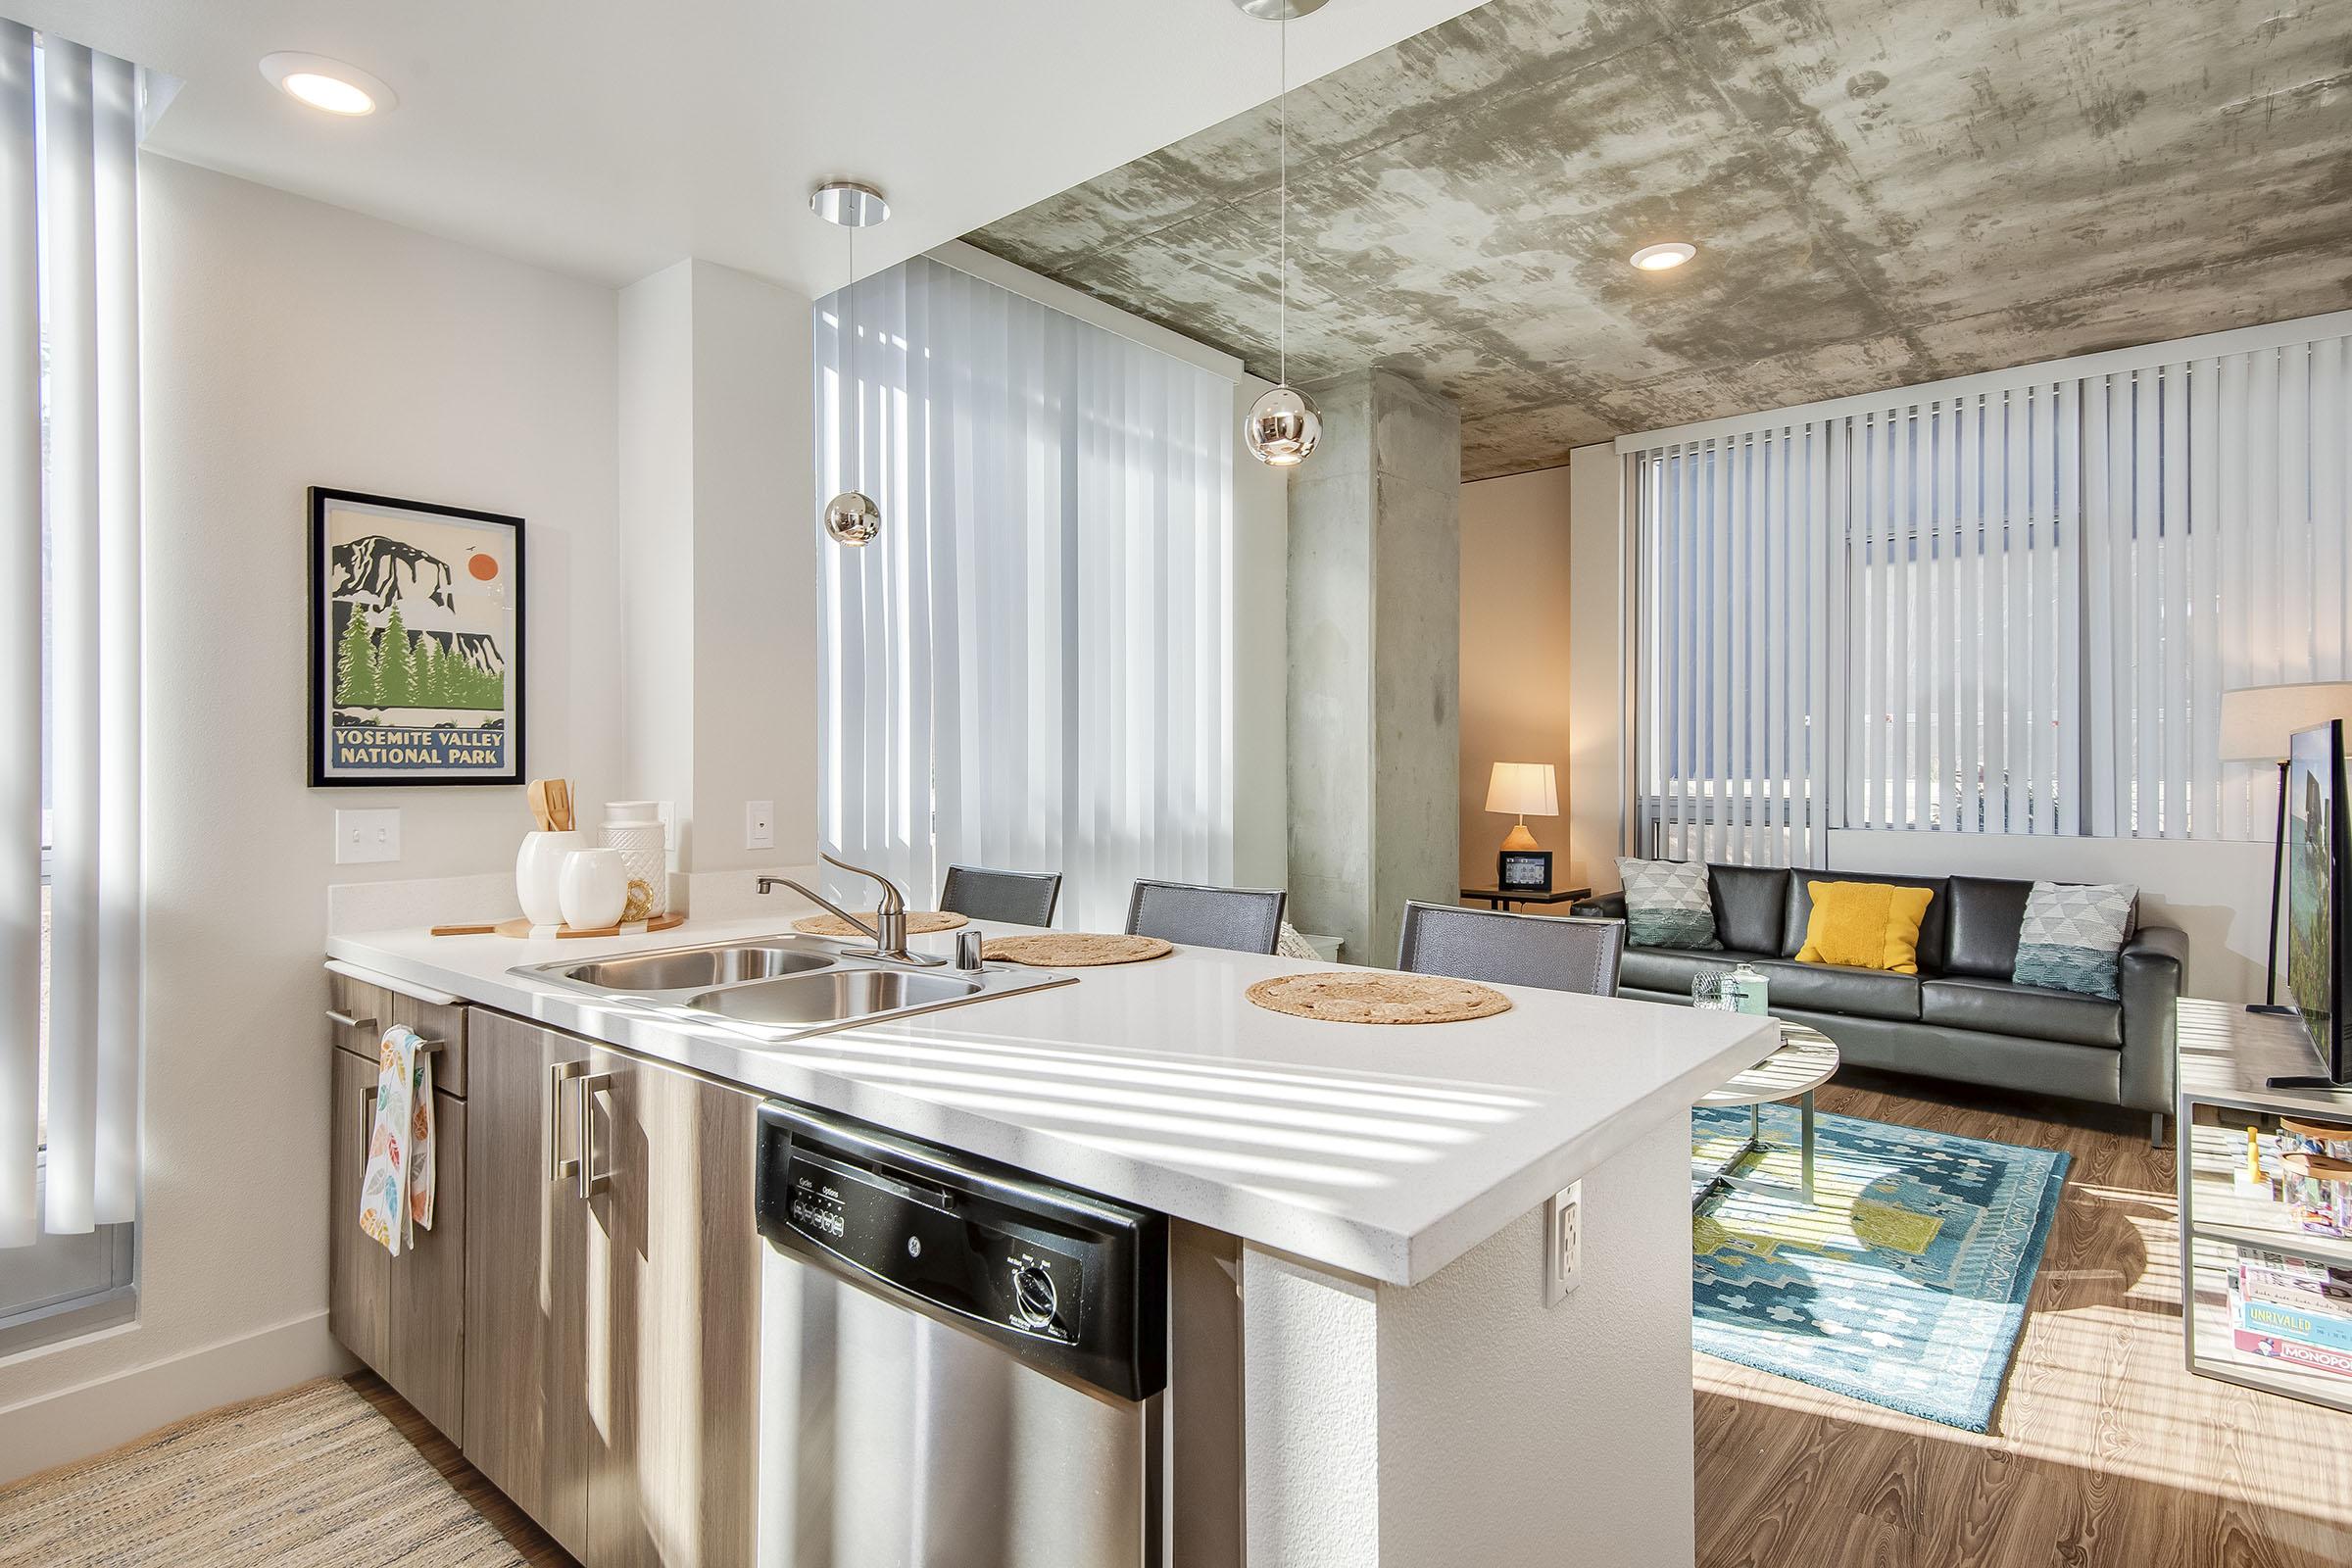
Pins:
x: 2318, y: 855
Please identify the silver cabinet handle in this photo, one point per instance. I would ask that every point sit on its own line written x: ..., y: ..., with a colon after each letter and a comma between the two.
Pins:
x: 592, y: 1180
x: 366, y: 1131
x: 551, y: 1126
x: 424, y: 1048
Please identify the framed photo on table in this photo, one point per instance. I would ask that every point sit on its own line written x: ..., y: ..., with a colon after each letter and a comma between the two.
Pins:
x: 415, y: 643
x: 1523, y: 870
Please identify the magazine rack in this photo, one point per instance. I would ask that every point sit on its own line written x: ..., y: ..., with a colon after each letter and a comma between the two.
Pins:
x: 2227, y: 1219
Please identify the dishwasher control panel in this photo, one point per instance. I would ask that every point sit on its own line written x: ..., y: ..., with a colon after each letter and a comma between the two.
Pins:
x: 1067, y: 1280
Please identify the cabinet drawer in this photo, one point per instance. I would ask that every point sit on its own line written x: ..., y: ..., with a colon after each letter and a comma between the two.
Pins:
x: 359, y: 1011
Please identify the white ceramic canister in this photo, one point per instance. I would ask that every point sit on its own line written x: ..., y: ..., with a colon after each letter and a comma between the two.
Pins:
x: 632, y: 828
x: 594, y: 889
x: 538, y: 872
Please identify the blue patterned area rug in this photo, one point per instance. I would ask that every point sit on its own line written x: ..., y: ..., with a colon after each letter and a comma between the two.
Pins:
x: 1903, y: 1283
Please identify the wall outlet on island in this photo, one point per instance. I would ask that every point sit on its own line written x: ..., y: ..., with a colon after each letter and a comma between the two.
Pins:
x: 1563, y: 1241
x: 758, y: 824
x: 364, y: 837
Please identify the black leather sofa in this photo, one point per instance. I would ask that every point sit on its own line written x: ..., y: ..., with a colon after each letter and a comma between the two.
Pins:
x: 1961, y: 1017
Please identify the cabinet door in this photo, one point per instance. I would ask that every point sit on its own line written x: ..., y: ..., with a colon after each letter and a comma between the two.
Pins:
x: 526, y: 1419
x: 424, y: 1340
x: 357, y: 1299
x: 675, y: 1278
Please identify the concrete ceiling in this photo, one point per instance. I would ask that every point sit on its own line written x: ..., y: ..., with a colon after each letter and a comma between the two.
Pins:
x: 1884, y: 192
x: 609, y: 140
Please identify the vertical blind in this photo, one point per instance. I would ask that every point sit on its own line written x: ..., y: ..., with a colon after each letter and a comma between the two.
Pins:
x: 1030, y: 668
x: 2008, y: 604
x: 69, y: 447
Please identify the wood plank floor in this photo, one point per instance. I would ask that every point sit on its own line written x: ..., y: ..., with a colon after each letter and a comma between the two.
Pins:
x: 2105, y: 1452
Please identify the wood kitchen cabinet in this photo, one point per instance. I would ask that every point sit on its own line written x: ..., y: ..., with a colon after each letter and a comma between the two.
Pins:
x: 403, y: 1316
x: 613, y: 1324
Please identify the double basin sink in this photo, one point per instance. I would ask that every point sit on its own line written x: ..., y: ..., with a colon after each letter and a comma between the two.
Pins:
x: 796, y: 985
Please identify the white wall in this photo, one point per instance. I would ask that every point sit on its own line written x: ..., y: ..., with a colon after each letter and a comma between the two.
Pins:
x: 1517, y: 598
x: 718, y: 537
x: 286, y: 344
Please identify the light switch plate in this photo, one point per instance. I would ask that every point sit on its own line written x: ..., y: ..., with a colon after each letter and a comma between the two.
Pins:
x: 365, y: 837
x: 760, y: 825
x: 1563, y: 1241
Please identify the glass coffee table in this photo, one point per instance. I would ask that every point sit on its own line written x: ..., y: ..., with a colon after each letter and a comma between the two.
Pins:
x: 1803, y: 1063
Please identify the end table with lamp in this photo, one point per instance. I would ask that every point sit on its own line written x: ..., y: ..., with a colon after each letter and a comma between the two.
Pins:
x: 1523, y: 790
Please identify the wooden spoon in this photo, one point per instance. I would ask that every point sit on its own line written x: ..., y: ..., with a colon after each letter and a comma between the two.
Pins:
x: 560, y: 806
x: 541, y: 812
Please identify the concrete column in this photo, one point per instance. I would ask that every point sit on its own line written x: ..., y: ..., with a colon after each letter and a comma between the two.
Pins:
x: 1375, y: 651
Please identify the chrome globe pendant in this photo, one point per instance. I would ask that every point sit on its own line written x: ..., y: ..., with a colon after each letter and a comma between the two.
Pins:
x: 1284, y: 426
x: 850, y: 518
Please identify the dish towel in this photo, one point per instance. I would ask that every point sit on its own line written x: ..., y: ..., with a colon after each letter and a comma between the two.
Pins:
x: 396, y: 1195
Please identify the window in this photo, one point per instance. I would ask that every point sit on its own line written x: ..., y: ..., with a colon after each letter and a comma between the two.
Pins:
x: 2004, y: 604
x: 69, y: 904
x: 1030, y: 668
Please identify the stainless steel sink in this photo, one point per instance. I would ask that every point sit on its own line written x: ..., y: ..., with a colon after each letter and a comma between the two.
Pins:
x: 695, y: 969
x: 784, y: 986
x: 844, y: 994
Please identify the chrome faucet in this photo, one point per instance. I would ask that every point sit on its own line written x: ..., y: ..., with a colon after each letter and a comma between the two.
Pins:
x: 888, y: 933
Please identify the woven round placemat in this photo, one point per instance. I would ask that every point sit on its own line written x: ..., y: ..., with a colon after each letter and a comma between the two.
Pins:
x: 918, y: 922
x: 1074, y: 949
x: 1370, y: 997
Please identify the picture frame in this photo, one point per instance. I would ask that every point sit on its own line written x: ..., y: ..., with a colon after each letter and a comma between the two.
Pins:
x: 1523, y: 870
x: 446, y: 584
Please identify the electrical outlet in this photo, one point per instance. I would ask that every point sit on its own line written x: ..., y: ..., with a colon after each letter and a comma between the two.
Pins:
x: 758, y: 824
x: 1563, y: 1241
x: 366, y: 837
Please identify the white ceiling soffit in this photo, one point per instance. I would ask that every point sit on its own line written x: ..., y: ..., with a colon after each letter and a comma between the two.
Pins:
x: 609, y: 140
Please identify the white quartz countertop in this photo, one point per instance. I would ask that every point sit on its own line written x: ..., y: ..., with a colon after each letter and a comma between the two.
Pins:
x: 1384, y: 1151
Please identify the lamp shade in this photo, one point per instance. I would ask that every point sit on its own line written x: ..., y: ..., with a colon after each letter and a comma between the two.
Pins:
x: 1523, y: 789
x: 2257, y: 721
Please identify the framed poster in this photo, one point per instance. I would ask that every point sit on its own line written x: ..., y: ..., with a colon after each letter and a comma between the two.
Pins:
x: 415, y: 643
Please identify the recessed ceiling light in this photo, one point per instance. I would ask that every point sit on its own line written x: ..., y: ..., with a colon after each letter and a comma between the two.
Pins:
x: 327, y: 85
x: 1662, y: 258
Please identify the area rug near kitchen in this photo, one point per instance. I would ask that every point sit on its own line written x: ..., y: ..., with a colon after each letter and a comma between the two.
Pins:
x: 309, y: 1478
x: 1903, y: 1283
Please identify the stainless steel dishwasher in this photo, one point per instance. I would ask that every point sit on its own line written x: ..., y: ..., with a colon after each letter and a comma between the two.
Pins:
x: 962, y: 1366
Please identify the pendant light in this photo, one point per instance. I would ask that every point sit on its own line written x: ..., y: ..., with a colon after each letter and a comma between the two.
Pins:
x: 850, y: 518
x: 1285, y: 424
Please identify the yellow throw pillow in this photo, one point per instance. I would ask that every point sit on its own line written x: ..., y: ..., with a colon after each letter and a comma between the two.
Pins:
x: 1865, y: 925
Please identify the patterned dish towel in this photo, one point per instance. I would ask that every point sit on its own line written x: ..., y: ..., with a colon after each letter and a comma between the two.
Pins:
x: 396, y: 1195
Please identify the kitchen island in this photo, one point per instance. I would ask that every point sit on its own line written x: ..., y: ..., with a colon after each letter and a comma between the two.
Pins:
x: 1408, y: 1394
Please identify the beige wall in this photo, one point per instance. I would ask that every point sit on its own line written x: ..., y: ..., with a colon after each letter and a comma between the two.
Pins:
x: 1597, y: 650
x: 1515, y: 656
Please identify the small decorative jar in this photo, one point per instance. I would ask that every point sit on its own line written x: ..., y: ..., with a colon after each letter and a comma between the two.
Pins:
x: 1750, y: 989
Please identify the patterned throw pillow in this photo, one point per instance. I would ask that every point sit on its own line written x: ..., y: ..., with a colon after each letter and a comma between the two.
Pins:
x: 2073, y: 934
x: 1666, y: 905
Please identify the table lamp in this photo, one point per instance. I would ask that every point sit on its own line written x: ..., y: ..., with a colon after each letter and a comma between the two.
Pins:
x: 2257, y: 725
x: 1523, y: 790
